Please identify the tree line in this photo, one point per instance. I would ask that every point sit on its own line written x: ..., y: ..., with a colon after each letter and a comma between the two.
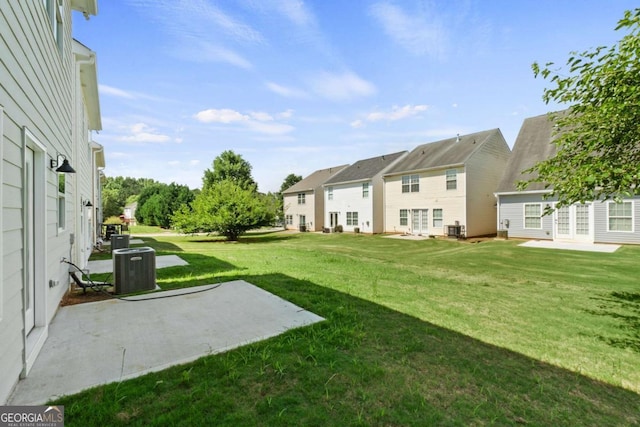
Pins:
x: 229, y: 202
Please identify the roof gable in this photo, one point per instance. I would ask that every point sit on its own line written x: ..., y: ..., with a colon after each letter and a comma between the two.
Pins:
x: 447, y: 152
x: 366, y: 169
x: 533, y: 144
x: 315, y: 180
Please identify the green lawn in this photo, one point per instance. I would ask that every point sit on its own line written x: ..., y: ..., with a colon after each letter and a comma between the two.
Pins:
x: 417, y: 333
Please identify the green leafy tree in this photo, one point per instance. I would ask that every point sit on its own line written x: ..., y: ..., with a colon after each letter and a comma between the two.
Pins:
x: 117, y: 191
x: 158, y: 202
x: 598, y: 137
x: 224, y: 207
x: 229, y: 166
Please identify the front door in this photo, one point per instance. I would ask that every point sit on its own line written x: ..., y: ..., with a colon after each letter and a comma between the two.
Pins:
x: 30, y: 286
x: 574, y: 223
x: 420, y: 221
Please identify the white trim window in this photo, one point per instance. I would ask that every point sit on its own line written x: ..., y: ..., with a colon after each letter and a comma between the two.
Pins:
x: 62, y: 201
x: 404, y: 217
x: 302, y: 198
x: 288, y: 219
x: 352, y: 218
x: 365, y: 190
x: 410, y: 183
x: 329, y: 193
x: 452, y: 179
x: 437, y: 218
x: 532, y: 213
x: 620, y: 217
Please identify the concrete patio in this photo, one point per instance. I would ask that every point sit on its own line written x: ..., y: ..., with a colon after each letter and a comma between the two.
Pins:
x: 102, y: 342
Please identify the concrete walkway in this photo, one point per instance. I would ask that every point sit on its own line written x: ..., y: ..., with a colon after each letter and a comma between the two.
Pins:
x: 102, y: 342
x: 570, y: 246
x: 162, y: 261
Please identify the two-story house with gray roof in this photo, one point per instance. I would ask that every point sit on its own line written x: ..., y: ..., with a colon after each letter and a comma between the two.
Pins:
x: 521, y: 213
x: 446, y: 188
x: 304, y: 201
x: 354, y: 198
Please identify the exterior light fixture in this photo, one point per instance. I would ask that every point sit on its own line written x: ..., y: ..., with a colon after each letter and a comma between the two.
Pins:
x: 61, y: 164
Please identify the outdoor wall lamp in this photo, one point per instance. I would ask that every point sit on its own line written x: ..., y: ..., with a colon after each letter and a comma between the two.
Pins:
x: 87, y: 203
x: 61, y: 164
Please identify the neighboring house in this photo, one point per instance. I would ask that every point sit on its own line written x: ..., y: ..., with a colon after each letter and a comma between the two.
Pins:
x: 48, y: 105
x: 130, y: 213
x: 304, y: 201
x: 520, y: 213
x: 354, y: 197
x: 446, y: 188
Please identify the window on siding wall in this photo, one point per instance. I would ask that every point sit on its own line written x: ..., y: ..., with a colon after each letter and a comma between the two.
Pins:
x: 437, y: 218
x: 289, y: 219
x: 301, y: 199
x: 62, y: 202
x: 352, y: 218
x: 365, y: 190
x: 620, y: 216
x: 55, y: 11
x: 330, y: 193
x: 404, y: 217
x: 452, y: 179
x: 533, y: 215
x: 410, y: 184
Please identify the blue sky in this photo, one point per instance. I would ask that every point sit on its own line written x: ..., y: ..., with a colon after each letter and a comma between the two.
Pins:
x: 295, y: 86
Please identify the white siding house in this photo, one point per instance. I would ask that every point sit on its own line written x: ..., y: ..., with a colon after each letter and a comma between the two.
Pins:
x: 520, y: 213
x: 46, y: 113
x: 304, y: 202
x: 446, y: 187
x: 354, y: 198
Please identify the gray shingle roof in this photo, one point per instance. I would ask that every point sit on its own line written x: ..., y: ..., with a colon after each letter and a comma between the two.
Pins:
x: 451, y: 151
x: 315, y: 180
x: 365, y: 169
x: 533, y: 144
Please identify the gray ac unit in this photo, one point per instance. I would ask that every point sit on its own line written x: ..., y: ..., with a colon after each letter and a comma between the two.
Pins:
x: 119, y: 241
x: 134, y: 270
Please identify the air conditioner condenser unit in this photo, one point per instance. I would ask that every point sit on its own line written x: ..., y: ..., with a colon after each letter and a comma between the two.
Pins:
x: 134, y: 269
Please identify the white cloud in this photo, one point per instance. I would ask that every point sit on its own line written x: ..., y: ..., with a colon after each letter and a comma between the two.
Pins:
x: 396, y: 113
x: 287, y: 92
x: 224, y: 115
x: 112, y: 91
x: 357, y: 124
x: 342, y: 87
x: 420, y: 34
x: 257, y: 121
x: 141, y: 132
x: 286, y: 114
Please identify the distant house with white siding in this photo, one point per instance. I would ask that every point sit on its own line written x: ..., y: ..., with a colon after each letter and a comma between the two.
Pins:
x: 304, y: 201
x: 48, y: 105
x: 520, y: 213
x: 354, y: 198
x: 446, y: 187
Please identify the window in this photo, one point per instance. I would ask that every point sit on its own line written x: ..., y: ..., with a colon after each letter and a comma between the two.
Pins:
x: 62, y: 204
x: 410, y: 184
x: 301, y: 199
x: 404, y: 217
x: 452, y: 179
x: 437, y: 218
x: 365, y: 190
x: 533, y: 215
x: 303, y: 220
x: 620, y: 216
x: 55, y: 10
x: 288, y: 219
x: 330, y: 193
x: 352, y: 218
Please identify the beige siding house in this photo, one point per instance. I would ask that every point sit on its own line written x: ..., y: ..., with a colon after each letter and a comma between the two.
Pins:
x: 304, y: 203
x: 48, y: 104
x: 446, y: 187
